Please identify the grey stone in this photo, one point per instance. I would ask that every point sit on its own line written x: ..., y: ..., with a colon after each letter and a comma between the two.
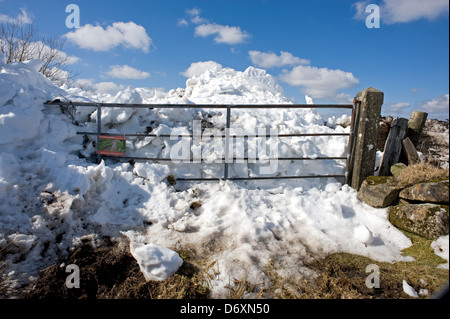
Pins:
x: 427, y: 220
x: 416, y: 124
x: 431, y: 192
x: 378, y: 191
x: 364, y: 148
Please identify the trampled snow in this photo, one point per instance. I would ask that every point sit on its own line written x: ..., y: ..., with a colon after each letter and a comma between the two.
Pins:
x: 52, y: 194
x: 440, y: 247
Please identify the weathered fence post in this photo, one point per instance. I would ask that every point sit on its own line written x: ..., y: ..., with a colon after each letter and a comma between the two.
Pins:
x: 410, y: 151
x: 368, y: 110
x: 415, y: 126
x: 393, y: 146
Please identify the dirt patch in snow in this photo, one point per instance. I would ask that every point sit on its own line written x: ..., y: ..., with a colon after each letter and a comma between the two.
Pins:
x: 111, y: 272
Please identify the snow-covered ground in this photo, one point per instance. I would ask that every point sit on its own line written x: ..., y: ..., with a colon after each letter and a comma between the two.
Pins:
x: 52, y: 196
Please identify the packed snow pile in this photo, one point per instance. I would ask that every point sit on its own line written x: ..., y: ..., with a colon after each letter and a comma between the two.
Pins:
x: 155, y: 262
x: 440, y: 247
x: 221, y: 86
x: 53, y: 196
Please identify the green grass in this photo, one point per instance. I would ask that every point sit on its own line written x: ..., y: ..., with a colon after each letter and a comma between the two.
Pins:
x: 343, y: 276
x: 339, y: 276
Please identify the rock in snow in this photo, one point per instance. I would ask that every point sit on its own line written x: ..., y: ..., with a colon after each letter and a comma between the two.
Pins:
x: 409, y: 290
x: 363, y: 234
x: 156, y: 262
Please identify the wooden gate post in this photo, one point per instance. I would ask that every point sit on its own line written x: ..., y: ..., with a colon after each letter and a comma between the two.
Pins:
x: 367, y: 116
x: 393, y: 146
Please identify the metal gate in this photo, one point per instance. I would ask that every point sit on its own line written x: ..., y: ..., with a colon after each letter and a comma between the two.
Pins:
x: 227, y: 160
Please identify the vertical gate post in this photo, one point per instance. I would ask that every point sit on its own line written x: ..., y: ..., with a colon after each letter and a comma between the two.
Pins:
x: 367, y: 117
x: 350, y: 147
x: 227, y: 144
x: 99, y: 130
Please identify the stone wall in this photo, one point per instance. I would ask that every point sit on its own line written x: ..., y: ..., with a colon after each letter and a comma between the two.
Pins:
x: 421, y: 208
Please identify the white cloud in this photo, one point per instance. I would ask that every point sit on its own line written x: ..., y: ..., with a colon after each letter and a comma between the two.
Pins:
x: 398, y: 106
x: 235, y: 51
x: 194, y: 13
x: 223, y: 33
x: 437, y: 105
x: 343, y: 98
x: 360, y: 8
x: 101, y: 87
x: 402, y: 11
x: 126, y: 72
x: 96, y: 38
x: 182, y: 23
x: 269, y: 59
x: 319, y: 82
x: 437, y: 108
x: 409, y: 10
x: 109, y: 87
x: 84, y: 83
x: 21, y: 19
x: 198, y: 68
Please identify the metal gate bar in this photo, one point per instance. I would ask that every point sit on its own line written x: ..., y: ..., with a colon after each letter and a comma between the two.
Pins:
x: 164, y: 159
x: 223, y: 136
x: 259, y: 178
x: 203, y: 106
x: 226, y: 160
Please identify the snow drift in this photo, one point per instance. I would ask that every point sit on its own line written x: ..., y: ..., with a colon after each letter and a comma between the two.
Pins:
x: 52, y: 197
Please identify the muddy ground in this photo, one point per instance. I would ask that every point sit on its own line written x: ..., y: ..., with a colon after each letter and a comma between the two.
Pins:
x: 111, y: 272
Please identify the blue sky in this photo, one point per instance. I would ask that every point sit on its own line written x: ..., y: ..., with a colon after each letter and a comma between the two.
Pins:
x: 322, y: 48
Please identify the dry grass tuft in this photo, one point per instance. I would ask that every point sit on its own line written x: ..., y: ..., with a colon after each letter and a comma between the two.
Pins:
x: 243, y: 289
x: 419, y: 173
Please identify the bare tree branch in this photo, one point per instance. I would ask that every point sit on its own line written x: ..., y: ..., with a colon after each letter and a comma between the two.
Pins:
x: 19, y: 42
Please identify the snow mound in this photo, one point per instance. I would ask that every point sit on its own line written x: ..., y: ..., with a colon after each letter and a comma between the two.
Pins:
x: 22, y: 91
x: 363, y: 234
x: 52, y: 194
x: 156, y: 262
x: 228, y: 86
